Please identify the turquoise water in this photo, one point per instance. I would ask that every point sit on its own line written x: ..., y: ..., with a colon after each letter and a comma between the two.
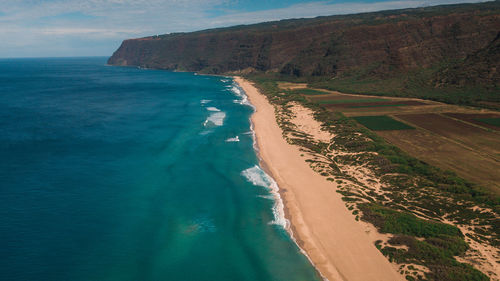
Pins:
x: 111, y: 173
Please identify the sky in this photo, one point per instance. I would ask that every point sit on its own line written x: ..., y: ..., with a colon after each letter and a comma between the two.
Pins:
x: 59, y: 28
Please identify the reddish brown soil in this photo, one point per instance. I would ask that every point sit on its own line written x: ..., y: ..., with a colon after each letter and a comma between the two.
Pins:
x: 374, y: 104
x: 471, y: 118
x: 472, y: 137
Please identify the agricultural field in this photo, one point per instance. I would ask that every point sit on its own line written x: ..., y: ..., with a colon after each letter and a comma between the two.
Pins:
x: 371, y: 104
x: 291, y: 86
x: 350, y: 102
x: 491, y: 120
x: 338, y: 98
x: 471, y: 136
x: 381, y: 123
x: 309, y: 92
x: 470, y: 164
x: 356, y: 105
x: 463, y: 140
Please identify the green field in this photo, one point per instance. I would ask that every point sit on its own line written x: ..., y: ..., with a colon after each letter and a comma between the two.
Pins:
x: 381, y: 123
x: 377, y: 105
x: 349, y: 101
x: 490, y: 121
x: 309, y: 92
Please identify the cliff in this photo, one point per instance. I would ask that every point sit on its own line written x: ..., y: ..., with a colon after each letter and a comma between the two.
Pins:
x: 444, y: 40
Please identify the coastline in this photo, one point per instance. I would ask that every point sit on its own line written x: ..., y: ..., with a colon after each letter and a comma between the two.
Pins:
x: 338, y: 246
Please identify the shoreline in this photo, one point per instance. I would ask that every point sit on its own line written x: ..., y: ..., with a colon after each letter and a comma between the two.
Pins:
x: 279, y: 194
x: 319, y: 223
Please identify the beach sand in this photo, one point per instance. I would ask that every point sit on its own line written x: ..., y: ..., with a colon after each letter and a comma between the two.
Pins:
x: 339, y: 247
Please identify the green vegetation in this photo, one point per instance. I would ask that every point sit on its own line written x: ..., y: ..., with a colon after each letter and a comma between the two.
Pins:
x: 438, y: 255
x: 349, y: 101
x: 411, y: 84
x: 491, y: 121
x: 382, y: 122
x: 436, y: 251
x: 310, y: 92
x: 391, y: 221
x: 377, y: 105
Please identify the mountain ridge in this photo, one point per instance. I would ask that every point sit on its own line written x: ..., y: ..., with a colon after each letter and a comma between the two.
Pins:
x: 435, y: 41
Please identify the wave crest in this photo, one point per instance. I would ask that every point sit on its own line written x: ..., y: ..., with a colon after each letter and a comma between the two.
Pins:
x: 241, y: 94
x: 216, y: 118
x: 211, y: 108
x: 235, y: 139
x: 258, y: 177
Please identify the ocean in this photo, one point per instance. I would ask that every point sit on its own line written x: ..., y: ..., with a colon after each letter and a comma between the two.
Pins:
x: 114, y: 173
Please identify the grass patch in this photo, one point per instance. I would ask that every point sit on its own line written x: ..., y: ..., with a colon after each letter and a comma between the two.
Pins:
x: 490, y: 121
x: 349, y: 101
x: 437, y: 251
x: 392, y: 221
x: 381, y: 123
x: 377, y: 105
x: 310, y: 92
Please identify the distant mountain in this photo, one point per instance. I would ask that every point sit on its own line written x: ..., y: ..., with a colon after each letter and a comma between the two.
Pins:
x: 451, y: 46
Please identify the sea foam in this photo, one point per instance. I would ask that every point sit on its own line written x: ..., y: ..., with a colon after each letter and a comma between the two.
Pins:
x: 258, y: 177
x: 211, y: 108
x: 241, y: 94
x: 216, y: 118
x: 235, y: 139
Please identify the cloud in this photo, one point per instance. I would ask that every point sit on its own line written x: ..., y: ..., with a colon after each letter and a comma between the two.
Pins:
x: 54, y: 27
x: 86, y: 31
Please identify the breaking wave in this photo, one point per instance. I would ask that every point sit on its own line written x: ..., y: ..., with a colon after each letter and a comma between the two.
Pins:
x: 235, y: 139
x: 258, y: 177
x: 241, y: 94
x: 211, y: 108
x: 216, y: 119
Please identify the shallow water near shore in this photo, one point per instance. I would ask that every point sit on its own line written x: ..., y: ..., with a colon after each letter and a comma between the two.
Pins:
x: 112, y: 173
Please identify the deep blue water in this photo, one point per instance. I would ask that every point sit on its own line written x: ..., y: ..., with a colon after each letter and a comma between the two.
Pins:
x: 111, y: 173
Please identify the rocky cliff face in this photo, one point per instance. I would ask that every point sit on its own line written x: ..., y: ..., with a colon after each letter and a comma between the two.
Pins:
x: 377, y: 44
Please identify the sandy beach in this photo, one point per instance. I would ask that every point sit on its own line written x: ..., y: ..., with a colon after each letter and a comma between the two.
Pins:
x: 339, y: 247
